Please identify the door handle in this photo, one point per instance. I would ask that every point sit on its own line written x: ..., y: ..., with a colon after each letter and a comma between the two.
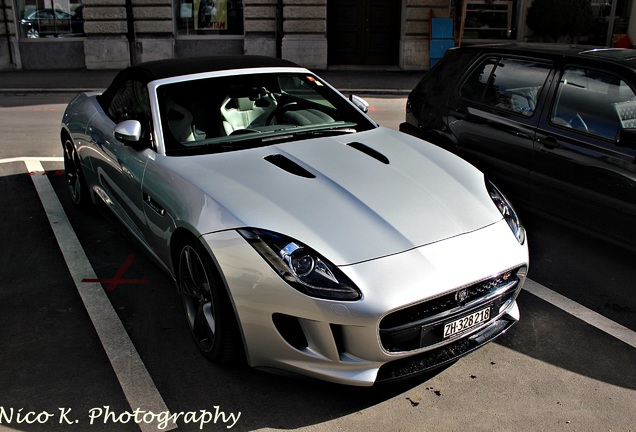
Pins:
x: 549, y: 142
x: 154, y: 205
x: 458, y: 113
x: 522, y: 135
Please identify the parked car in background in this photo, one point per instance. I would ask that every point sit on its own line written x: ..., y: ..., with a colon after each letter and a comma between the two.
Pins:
x: 53, y: 23
x: 552, y: 125
x: 301, y: 235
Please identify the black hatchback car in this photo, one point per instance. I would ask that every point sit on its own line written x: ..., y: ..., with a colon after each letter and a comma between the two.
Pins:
x: 551, y: 125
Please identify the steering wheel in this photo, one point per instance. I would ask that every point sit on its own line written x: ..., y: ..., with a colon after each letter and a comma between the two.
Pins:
x: 279, y: 110
x: 577, y: 122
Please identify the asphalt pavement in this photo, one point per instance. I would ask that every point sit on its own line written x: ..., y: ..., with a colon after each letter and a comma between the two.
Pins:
x: 348, y: 80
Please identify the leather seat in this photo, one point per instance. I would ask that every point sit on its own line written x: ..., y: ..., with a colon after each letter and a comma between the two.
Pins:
x: 239, y: 113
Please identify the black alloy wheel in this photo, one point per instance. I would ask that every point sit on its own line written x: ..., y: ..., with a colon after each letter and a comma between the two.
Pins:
x: 74, y: 176
x: 207, y: 307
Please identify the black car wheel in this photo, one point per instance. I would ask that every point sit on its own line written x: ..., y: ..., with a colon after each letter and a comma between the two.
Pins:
x: 207, y: 307
x: 74, y: 176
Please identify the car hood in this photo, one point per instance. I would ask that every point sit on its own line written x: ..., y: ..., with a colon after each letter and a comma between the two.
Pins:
x: 351, y: 197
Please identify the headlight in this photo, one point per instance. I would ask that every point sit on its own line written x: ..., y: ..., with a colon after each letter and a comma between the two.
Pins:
x: 507, y: 211
x: 302, y: 267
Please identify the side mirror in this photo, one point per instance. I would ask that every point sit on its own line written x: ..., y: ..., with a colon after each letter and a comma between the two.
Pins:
x: 128, y: 131
x: 360, y: 103
x: 626, y: 138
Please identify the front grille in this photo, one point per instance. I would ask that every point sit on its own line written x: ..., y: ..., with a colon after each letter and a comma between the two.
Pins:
x: 422, y: 325
x: 444, y: 355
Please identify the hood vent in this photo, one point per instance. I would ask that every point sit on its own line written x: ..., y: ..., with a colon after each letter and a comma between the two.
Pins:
x: 288, y: 165
x: 369, y: 152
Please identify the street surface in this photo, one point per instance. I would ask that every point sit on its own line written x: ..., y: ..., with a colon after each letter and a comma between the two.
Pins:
x: 93, y: 338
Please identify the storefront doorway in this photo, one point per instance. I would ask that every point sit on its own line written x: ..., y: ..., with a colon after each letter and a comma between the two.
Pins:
x: 363, y: 32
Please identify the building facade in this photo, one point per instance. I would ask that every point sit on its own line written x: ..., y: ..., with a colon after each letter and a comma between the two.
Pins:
x: 111, y: 34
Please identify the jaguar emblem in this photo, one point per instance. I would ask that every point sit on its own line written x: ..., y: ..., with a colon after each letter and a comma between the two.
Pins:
x: 461, y: 295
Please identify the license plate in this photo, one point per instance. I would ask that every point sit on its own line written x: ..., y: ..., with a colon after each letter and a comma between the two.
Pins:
x: 467, y: 322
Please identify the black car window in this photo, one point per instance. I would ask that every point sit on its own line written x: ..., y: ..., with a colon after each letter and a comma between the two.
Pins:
x: 594, y: 102
x: 235, y: 112
x: 131, y: 102
x: 506, y: 83
x: 44, y: 14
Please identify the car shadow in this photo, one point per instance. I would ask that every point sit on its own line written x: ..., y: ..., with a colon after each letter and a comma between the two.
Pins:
x: 591, y: 272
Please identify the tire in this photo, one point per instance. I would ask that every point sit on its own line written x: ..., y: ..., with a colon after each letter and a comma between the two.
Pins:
x: 75, y: 180
x: 208, y: 311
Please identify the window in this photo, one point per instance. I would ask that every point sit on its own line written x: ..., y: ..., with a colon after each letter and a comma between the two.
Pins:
x: 487, y: 19
x: 304, y: 88
x: 234, y: 112
x: 209, y: 17
x: 131, y: 102
x: 50, y: 18
x: 506, y: 83
x: 594, y: 102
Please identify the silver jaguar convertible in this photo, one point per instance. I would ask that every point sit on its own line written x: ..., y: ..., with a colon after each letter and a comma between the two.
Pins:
x: 302, y: 236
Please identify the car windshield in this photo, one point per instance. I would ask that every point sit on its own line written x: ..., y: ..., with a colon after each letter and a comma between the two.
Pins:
x: 243, y: 111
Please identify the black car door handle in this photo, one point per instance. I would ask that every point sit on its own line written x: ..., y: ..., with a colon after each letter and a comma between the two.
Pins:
x: 464, y: 114
x: 459, y: 113
x: 154, y: 205
x: 549, y: 142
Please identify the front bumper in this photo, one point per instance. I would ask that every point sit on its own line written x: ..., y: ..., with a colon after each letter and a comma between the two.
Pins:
x: 343, y: 341
x: 445, y: 354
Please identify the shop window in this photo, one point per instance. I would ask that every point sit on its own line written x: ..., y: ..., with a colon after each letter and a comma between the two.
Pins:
x: 50, y: 18
x: 486, y: 19
x: 209, y: 17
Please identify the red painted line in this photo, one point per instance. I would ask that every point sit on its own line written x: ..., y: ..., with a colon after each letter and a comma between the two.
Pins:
x: 111, y: 284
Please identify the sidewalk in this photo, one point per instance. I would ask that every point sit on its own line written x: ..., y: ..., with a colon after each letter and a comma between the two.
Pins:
x: 359, y: 81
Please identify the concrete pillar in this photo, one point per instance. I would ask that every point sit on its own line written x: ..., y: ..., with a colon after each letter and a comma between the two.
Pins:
x: 305, y: 32
x: 416, y: 31
x: 154, y: 38
x: 106, y: 45
x: 9, y: 54
x: 260, y: 27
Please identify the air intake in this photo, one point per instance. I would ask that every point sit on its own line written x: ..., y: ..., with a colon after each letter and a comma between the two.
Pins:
x: 369, y: 152
x: 290, y: 166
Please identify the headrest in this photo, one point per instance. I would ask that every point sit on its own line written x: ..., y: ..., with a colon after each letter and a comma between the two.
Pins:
x: 244, y: 104
x: 251, y: 92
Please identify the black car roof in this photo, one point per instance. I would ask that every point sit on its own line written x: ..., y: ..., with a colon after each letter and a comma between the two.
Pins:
x: 613, y: 55
x: 176, y: 67
x: 159, y: 69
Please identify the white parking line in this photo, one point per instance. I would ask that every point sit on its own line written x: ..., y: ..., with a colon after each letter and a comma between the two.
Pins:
x: 135, y: 381
x: 32, y: 159
x: 581, y: 312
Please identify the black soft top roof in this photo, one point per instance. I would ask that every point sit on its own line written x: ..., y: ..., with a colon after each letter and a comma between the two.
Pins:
x: 175, y: 67
x: 159, y: 69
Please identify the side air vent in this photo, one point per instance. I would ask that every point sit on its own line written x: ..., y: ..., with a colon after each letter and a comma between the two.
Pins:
x: 290, y: 329
x: 369, y: 152
x: 288, y: 165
